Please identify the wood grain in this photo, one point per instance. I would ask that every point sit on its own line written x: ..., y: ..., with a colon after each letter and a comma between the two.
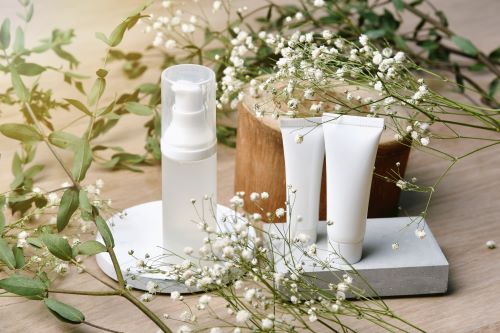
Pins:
x: 465, y: 212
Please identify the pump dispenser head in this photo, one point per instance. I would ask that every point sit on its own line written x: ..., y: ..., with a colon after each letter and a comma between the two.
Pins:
x: 188, y: 113
x: 188, y: 96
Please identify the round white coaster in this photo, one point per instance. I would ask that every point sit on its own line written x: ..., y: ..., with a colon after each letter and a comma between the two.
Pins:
x: 140, y: 230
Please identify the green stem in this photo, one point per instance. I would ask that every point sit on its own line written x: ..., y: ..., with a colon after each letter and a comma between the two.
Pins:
x: 100, y: 327
x: 116, y: 266
x: 86, y: 293
x: 146, y: 311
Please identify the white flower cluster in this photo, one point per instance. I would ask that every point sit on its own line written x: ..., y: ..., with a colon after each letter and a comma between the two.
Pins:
x: 234, y: 74
x: 419, y: 132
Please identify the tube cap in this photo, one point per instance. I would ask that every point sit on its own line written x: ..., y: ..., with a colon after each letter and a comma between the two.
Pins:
x: 350, y: 252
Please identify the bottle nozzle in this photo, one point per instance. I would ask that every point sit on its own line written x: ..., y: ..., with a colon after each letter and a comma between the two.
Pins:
x: 188, y: 96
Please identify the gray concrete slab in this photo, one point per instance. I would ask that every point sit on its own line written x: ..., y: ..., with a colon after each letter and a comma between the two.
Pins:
x: 418, y: 267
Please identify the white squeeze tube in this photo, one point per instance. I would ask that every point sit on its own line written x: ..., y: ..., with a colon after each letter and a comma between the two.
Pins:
x: 189, y: 156
x: 304, y: 155
x: 351, y: 145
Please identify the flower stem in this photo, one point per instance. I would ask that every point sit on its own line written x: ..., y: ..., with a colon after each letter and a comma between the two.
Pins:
x: 146, y: 311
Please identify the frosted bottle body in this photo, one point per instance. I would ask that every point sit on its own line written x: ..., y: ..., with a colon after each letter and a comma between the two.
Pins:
x: 184, y: 182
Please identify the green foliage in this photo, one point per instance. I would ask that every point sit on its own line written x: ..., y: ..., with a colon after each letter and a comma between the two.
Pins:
x: 23, y: 286
x: 6, y: 254
x: 82, y: 160
x: 2, y: 214
x: 65, y: 140
x: 21, y: 132
x: 5, y: 34
x: 58, y: 246
x: 465, y: 45
x: 84, y: 203
x: 96, y: 91
x: 117, y: 34
x: 90, y: 248
x: 19, y: 256
x: 106, y: 234
x: 69, y: 204
x: 64, y: 312
x: 138, y: 109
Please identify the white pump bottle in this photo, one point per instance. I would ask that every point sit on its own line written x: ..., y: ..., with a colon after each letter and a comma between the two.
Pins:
x: 189, y: 157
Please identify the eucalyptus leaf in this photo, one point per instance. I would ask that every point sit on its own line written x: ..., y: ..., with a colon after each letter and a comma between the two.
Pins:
x: 58, y: 246
x: 64, y: 312
x: 5, y: 34
x: 19, y: 40
x: 36, y: 242
x: 96, y: 91
x: 33, y: 170
x: 138, y: 109
x: 79, y: 105
x: 495, y: 54
x: 68, y: 205
x: 19, y: 255
x: 22, y: 132
x: 493, y: 87
x: 23, y: 286
x: 19, y: 87
x: 82, y: 161
x: 29, y: 13
x: 91, y: 248
x: 65, y: 140
x: 105, y: 232
x: 17, y: 171
x: 6, y: 255
x: 465, y: 45
x: 2, y: 214
x: 399, y: 5
x: 30, y: 69
x: 84, y: 202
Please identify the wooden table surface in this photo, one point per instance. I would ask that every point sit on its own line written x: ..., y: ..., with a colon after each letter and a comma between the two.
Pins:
x: 464, y: 214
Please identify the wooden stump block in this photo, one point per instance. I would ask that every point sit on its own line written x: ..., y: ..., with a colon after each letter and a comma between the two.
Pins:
x: 260, y: 165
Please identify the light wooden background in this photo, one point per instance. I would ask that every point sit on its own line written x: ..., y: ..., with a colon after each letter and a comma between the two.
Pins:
x: 465, y: 212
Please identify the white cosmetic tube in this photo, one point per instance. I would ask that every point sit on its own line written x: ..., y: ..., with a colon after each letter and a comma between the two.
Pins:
x: 351, y: 146
x: 304, y: 155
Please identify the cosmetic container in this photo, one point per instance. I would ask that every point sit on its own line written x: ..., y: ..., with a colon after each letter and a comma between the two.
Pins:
x: 351, y: 144
x: 189, y: 157
x: 304, y: 153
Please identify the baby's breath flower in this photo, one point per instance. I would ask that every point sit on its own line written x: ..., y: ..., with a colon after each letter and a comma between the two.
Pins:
x: 395, y: 246
x: 363, y: 40
x: 176, y: 296
x: 152, y: 287
x: 401, y: 184
x: 264, y: 195
x: 319, y: 3
x: 424, y: 141
x: 242, y: 316
x: 216, y: 5
x: 399, y: 57
x: 146, y: 297
x: 185, y: 328
x: 299, y: 138
x: 268, y: 324
x: 254, y: 196
x: 420, y: 233
x: 61, y: 268
x: 491, y: 244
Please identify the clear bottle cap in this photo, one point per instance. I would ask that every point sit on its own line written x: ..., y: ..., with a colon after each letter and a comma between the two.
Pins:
x: 188, y: 112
